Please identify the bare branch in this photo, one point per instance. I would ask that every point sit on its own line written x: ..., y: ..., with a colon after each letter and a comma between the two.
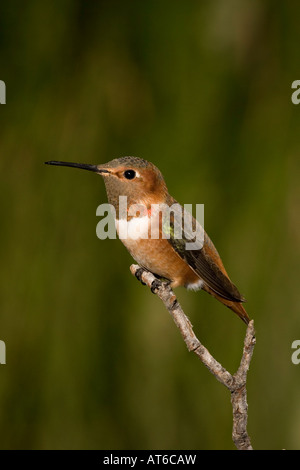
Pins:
x: 235, y: 383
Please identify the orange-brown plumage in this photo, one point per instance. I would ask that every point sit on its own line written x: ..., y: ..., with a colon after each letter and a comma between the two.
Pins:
x: 142, y: 183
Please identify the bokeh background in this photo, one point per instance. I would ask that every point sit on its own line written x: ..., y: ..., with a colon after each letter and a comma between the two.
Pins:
x: 203, y: 90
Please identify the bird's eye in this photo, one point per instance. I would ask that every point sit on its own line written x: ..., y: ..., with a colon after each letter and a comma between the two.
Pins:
x: 129, y: 174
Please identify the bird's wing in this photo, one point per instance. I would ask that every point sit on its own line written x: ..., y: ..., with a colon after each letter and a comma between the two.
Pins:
x: 203, y: 259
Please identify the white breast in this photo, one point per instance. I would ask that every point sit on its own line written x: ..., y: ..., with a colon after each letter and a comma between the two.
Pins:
x: 133, y: 229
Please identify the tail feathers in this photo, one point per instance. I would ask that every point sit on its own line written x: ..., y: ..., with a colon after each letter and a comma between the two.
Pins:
x: 236, y: 307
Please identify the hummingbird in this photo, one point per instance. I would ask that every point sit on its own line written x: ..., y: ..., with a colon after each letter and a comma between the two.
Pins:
x: 166, y: 257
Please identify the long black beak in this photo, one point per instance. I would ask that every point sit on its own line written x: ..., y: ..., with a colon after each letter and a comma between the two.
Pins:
x: 82, y: 166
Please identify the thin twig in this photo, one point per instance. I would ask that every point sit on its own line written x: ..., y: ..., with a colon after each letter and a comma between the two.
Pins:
x: 235, y: 383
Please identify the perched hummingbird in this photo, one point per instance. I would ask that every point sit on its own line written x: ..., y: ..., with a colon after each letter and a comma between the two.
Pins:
x: 142, y: 183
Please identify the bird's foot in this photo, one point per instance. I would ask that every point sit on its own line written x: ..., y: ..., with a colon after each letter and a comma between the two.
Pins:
x: 156, y: 284
x: 138, y: 275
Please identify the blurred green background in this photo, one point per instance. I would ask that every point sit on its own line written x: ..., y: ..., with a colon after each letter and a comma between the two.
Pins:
x: 203, y: 90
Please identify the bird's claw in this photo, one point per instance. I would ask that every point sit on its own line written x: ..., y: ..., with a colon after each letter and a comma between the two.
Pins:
x: 138, y: 275
x: 155, y: 285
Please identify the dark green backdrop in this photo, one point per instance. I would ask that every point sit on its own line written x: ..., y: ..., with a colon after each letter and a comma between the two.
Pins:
x: 203, y: 90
